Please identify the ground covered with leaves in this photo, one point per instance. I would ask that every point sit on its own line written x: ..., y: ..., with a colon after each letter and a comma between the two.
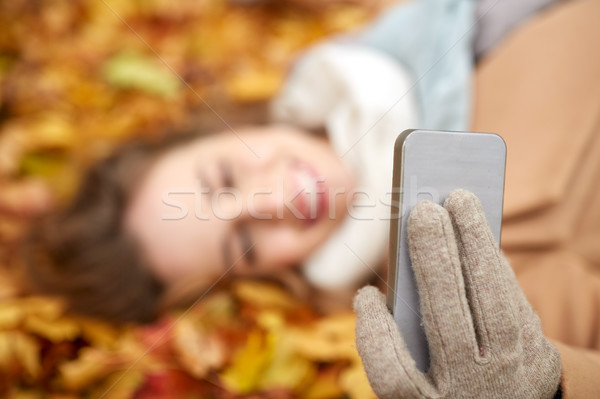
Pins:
x: 252, y: 340
x: 79, y: 77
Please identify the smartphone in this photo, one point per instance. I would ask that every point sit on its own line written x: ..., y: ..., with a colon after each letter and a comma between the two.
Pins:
x: 428, y: 165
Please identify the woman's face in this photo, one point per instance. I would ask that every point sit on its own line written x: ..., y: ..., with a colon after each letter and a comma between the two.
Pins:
x: 249, y: 202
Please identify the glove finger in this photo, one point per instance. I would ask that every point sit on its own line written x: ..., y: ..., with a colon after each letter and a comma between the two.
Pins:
x: 488, y: 277
x: 390, y: 368
x: 438, y: 274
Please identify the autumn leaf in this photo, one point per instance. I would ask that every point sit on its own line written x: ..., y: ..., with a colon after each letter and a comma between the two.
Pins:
x: 90, y: 366
x: 327, y: 340
x: 11, y: 315
x: 18, y: 349
x: 264, y: 295
x: 174, y: 384
x: 56, y: 330
x: 254, y: 84
x: 76, y: 82
x: 99, y: 334
x: 325, y: 385
x: 121, y: 384
x: 354, y: 382
x: 248, y: 364
x: 198, y: 351
x: 136, y: 71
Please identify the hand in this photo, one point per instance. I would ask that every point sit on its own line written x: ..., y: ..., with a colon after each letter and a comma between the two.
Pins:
x: 485, y: 340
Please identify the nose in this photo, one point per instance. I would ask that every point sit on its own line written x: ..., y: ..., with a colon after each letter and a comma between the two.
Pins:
x: 265, y: 204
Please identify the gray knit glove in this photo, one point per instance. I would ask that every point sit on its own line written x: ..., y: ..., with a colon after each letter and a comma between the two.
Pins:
x: 485, y: 339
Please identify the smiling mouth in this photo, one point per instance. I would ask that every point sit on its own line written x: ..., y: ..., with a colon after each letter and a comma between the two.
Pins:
x: 310, y: 191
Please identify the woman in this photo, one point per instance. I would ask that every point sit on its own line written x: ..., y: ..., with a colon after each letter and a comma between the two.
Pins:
x: 362, y: 97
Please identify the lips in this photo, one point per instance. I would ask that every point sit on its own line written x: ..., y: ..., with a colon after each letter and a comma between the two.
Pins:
x: 310, y: 193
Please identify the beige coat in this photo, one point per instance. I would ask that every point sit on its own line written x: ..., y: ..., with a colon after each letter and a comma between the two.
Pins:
x: 540, y: 90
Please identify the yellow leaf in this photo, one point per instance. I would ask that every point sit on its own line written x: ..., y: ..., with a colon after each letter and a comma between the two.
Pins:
x: 53, y: 130
x: 287, y: 369
x: 345, y: 19
x: 18, y: 347
x: 34, y: 394
x: 328, y: 340
x: 270, y: 320
x: 5, y: 349
x: 254, y: 85
x: 264, y: 295
x: 27, y: 351
x: 99, y: 334
x: 355, y: 383
x: 89, y: 367
x: 138, y: 71
x: 247, y: 366
x: 293, y: 372
x: 326, y: 385
x: 57, y: 330
x: 10, y: 315
x: 216, y: 309
x: 48, y: 308
x: 120, y: 385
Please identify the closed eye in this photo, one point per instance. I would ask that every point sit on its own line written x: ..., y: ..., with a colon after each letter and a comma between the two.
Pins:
x: 247, y: 246
x: 226, y: 175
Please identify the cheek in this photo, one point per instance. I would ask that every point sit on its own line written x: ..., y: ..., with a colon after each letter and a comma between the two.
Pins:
x: 287, y: 246
x: 279, y: 248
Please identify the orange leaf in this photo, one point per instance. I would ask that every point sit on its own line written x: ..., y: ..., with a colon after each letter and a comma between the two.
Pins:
x: 199, y: 352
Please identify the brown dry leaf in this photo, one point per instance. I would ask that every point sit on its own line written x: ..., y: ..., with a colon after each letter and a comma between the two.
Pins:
x: 198, y: 351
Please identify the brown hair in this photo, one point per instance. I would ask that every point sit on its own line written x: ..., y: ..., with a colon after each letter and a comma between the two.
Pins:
x: 81, y: 251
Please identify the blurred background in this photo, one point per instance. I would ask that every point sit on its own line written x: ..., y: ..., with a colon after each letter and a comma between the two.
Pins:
x: 79, y: 77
